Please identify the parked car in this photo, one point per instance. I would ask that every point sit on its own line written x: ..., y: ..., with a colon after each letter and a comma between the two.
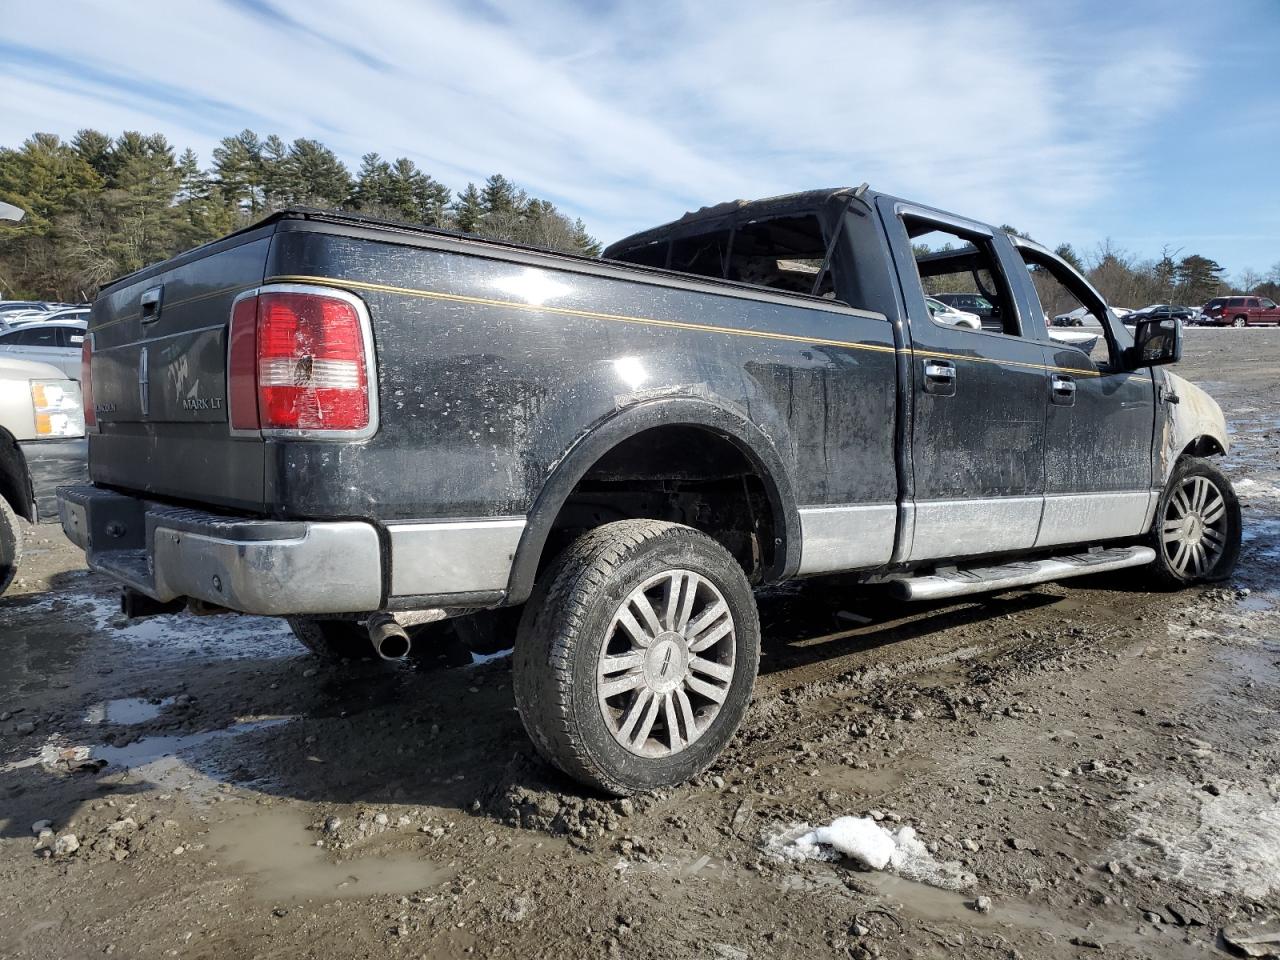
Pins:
x: 947, y: 314
x: 42, y: 446
x: 973, y: 303
x: 356, y: 424
x: 1081, y: 317
x: 1184, y: 314
x: 58, y: 344
x: 1241, y: 311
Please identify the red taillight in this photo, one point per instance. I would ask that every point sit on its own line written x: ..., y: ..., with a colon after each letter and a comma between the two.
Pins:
x: 86, y: 380
x: 297, y: 361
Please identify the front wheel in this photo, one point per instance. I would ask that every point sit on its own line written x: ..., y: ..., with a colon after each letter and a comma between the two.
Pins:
x: 10, y: 545
x: 1197, y: 528
x: 635, y: 658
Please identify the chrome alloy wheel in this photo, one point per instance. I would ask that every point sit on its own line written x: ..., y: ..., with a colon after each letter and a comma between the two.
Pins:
x: 1194, y: 532
x: 666, y: 663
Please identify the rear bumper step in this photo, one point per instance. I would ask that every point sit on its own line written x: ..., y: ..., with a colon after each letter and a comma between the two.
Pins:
x: 1022, y: 573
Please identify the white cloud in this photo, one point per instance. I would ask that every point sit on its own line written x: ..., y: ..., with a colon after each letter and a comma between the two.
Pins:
x: 630, y: 115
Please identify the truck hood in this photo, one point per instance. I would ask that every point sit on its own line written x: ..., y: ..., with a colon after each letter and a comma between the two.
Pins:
x: 14, y: 369
x: 1196, y: 415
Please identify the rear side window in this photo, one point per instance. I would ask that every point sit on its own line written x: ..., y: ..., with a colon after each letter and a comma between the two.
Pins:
x: 1236, y: 302
x: 33, y: 337
x: 780, y: 253
x: 962, y: 272
x: 70, y: 336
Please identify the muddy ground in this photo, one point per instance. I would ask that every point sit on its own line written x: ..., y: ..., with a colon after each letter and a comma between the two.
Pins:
x: 1098, y: 761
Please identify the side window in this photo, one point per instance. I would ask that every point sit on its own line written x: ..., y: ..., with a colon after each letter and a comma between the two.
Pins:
x: 961, y: 271
x: 780, y: 253
x: 1073, y: 316
x: 1268, y: 304
x: 35, y: 337
x: 70, y: 336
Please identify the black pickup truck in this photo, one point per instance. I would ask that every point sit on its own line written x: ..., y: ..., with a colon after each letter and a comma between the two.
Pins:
x: 359, y: 424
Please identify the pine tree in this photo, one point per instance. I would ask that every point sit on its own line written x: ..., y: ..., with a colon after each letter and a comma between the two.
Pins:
x: 372, y: 180
x: 317, y: 177
x: 95, y: 148
x: 583, y: 242
x: 276, y: 176
x: 237, y: 169
x: 468, y: 209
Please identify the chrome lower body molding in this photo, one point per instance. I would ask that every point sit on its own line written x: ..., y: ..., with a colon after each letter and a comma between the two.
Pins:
x: 849, y: 537
x: 1084, y: 517
x: 453, y: 556
x: 948, y: 529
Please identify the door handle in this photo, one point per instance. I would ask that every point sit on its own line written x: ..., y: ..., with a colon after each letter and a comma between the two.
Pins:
x: 940, y: 378
x: 149, y: 303
x: 1063, y: 389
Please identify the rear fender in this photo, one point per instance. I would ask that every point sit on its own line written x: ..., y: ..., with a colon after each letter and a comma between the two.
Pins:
x: 614, y: 429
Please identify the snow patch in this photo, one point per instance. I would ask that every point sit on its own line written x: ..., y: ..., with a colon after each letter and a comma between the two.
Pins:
x: 1225, y: 844
x: 870, y: 845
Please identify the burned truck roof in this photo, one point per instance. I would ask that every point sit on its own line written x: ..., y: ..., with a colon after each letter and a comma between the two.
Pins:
x: 726, y: 215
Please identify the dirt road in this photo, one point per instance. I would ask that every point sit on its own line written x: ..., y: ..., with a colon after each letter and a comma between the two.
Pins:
x: 1100, y: 764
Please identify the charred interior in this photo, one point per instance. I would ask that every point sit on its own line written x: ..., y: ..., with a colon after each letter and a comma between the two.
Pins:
x: 681, y: 474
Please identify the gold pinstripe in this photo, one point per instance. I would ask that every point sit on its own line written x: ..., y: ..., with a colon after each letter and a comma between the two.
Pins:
x: 571, y: 312
x: 616, y: 317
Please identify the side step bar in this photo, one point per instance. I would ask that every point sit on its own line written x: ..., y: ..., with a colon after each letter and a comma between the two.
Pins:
x: 956, y: 583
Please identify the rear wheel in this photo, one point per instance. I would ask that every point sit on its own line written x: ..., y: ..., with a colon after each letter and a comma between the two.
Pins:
x: 332, y: 639
x: 1197, y: 528
x: 1240, y: 322
x: 636, y: 656
x: 10, y: 545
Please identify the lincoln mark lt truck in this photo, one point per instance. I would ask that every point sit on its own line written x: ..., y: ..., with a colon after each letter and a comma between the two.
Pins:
x: 358, y: 424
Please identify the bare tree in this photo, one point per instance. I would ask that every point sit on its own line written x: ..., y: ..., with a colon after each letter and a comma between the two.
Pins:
x: 1248, y: 279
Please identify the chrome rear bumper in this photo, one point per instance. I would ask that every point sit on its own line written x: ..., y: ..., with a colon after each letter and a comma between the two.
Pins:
x: 269, y: 567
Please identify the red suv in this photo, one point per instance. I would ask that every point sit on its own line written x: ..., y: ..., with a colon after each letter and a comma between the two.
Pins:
x: 1241, y: 311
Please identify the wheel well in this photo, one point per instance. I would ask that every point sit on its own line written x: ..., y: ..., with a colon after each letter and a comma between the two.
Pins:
x: 14, y: 485
x: 1204, y: 446
x: 683, y: 474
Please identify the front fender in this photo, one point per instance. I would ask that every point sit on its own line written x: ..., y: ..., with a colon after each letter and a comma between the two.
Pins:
x: 1195, y: 424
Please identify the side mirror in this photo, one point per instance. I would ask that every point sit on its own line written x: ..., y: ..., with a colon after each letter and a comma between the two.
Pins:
x: 1156, y: 341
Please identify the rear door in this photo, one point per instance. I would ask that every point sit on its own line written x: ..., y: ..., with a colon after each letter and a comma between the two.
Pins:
x: 1100, y: 419
x: 977, y: 396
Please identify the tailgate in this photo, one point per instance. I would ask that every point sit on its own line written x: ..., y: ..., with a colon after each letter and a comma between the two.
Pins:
x: 160, y: 378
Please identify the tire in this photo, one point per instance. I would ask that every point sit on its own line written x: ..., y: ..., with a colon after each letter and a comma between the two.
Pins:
x: 1194, y: 540
x: 623, y: 742
x: 1240, y: 322
x: 10, y: 545
x: 332, y: 639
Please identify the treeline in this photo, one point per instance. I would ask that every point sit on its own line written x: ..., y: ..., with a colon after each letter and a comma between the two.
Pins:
x: 98, y: 207
x: 1127, y: 280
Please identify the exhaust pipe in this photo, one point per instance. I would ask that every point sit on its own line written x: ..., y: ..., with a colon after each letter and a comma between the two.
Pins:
x: 389, y: 639
x: 136, y: 605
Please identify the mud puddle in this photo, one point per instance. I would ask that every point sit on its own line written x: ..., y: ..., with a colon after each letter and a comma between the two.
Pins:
x: 281, y: 861
x: 127, y: 711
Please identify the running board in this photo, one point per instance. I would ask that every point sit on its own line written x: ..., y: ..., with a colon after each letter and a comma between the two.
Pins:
x: 956, y: 583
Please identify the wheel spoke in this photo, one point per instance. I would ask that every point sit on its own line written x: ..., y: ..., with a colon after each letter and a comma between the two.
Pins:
x: 1198, y: 559
x: 1173, y: 535
x: 616, y: 663
x: 646, y: 725
x: 1180, y: 558
x: 628, y: 681
x: 1172, y: 525
x: 705, y: 619
x: 674, y: 593
x: 674, y: 740
x: 712, y: 636
x: 705, y: 689
x: 1216, y: 537
x: 1213, y: 513
x: 686, y: 711
x: 634, y: 712
x: 1180, y: 502
x: 648, y: 615
x: 637, y: 633
x: 711, y: 668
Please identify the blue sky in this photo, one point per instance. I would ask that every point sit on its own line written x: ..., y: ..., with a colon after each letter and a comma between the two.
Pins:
x: 1148, y: 123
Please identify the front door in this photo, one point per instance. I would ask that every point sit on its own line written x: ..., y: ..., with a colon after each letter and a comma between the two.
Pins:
x: 977, y: 396
x: 1100, y: 418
